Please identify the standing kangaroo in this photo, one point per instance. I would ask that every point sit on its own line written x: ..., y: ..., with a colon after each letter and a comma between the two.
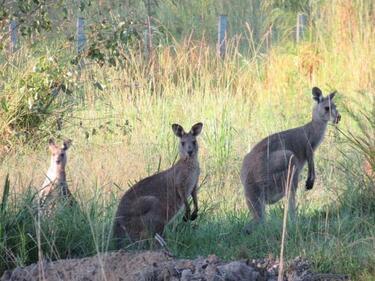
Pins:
x: 265, y: 169
x: 150, y: 204
x: 55, y: 186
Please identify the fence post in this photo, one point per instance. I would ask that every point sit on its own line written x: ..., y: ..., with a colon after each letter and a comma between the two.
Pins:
x: 13, y: 36
x: 222, y: 34
x: 81, y: 38
x: 81, y: 42
x: 300, y: 26
x: 147, y: 39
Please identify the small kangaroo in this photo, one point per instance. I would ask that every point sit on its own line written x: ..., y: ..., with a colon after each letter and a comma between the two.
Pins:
x: 55, y: 185
x: 265, y: 169
x: 150, y: 204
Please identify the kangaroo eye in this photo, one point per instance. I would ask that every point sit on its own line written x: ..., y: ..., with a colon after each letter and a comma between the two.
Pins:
x: 182, y: 143
x: 194, y: 142
x: 327, y: 108
x: 62, y: 155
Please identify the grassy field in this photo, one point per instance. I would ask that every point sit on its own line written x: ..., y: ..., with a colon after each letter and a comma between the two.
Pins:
x: 122, y: 132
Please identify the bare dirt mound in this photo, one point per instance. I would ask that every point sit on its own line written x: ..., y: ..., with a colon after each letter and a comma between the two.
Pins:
x: 158, y: 266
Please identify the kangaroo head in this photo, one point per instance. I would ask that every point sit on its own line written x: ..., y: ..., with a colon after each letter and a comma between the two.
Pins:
x: 325, y: 109
x: 188, y: 144
x: 58, y: 154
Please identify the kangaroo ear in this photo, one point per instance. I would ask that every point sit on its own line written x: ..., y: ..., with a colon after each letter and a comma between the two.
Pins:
x: 178, y: 130
x: 332, y: 95
x: 317, y: 94
x: 196, y: 129
x: 51, y: 144
x: 66, y: 144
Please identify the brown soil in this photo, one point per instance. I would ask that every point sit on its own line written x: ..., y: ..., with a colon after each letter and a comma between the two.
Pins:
x: 159, y: 266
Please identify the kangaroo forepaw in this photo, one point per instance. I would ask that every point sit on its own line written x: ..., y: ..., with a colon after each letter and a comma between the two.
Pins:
x: 194, y: 215
x: 186, y: 217
x: 249, y: 228
x: 309, y: 183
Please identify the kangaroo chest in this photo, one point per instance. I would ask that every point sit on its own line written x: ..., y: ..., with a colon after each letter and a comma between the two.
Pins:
x: 187, y: 178
x: 54, y: 184
x: 189, y: 181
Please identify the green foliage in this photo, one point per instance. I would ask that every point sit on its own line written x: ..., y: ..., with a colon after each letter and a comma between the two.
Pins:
x: 109, y: 43
x: 33, y: 16
x: 35, y: 99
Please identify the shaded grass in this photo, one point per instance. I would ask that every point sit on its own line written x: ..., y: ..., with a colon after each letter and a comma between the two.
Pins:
x: 69, y: 232
x: 336, y: 237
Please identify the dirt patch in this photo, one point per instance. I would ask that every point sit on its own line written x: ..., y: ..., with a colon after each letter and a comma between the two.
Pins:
x: 158, y: 266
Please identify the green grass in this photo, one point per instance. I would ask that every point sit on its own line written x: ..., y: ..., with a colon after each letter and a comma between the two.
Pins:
x: 123, y: 133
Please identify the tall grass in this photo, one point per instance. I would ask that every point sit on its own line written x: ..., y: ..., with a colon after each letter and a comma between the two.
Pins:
x: 122, y: 133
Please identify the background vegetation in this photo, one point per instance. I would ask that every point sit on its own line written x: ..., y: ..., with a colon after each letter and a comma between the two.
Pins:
x: 119, y: 107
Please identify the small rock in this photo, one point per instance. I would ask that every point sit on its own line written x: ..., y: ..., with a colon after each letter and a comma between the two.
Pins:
x: 213, y: 259
x: 186, y: 275
x: 185, y: 264
x: 238, y: 271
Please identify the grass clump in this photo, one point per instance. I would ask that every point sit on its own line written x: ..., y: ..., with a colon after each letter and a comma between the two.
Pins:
x: 68, y: 232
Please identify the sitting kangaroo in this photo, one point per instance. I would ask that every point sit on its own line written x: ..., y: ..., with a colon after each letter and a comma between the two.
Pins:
x: 150, y: 204
x: 55, y: 186
x: 265, y: 169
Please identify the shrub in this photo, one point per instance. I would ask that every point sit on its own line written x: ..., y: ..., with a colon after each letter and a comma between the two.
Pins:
x: 32, y: 104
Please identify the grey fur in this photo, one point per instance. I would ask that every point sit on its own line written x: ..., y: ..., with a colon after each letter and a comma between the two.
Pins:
x: 150, y: 204
x: 265, y: 169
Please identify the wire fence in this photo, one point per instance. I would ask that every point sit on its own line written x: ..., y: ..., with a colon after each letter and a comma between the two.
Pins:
x: 13, y: 36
